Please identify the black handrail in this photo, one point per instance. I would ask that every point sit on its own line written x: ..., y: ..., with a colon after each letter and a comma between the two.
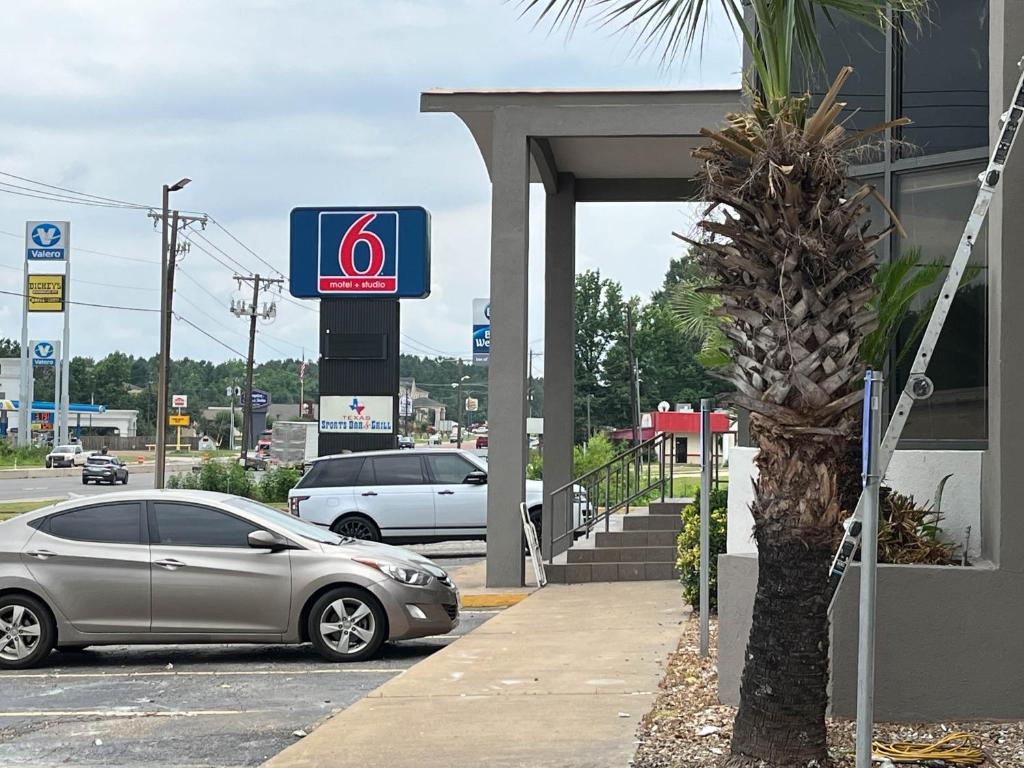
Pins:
x: 614, y: 486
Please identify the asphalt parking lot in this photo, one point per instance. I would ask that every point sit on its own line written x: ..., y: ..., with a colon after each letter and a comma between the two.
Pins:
x: 185, y: 706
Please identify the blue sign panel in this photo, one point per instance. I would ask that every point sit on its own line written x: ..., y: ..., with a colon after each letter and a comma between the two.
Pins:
x: 43, y: 353
x: 481, y: 340
x: 360, y: 252
x: 260, y: 400
x: 46, y: 240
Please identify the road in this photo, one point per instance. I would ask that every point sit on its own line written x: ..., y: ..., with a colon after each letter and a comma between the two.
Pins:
x: 185, y: 706
x: 60, y: 487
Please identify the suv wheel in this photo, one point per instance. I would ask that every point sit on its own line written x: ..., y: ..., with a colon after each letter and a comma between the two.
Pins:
x: 347, y: 624
x: 49, y: 463
x: 26, y: 632
x: 357, y: 527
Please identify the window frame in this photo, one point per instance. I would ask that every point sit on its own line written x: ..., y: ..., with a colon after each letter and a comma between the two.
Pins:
x: 433, y: 477
x: 44, y: 525
x: 425, y: 478
x: 153, y: 526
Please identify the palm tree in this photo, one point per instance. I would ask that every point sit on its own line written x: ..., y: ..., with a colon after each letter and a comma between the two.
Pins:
x: 790, y: 260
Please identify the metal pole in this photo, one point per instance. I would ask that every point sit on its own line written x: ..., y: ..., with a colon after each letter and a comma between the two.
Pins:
x: 231, y: 436
x: 24, y: 396
x: 868, y: 571
x: 59, y: 437
x: 161, y: 388
x: 65, y: 359
x: 247, y: 403
x: 705, y: 525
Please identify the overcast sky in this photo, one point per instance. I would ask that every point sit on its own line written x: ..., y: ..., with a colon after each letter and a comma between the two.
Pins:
x: 270, y: 104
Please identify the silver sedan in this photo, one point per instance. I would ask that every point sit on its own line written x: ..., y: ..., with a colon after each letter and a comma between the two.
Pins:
x: 197, y: 567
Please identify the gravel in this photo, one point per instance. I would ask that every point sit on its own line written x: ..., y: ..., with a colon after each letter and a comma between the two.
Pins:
x: 688, y: 728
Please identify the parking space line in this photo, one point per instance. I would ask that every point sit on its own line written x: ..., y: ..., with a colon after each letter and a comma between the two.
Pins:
x: 126, y: 713
x: 201, y: 673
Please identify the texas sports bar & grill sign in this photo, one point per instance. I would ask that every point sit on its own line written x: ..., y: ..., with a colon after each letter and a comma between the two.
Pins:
x: 360, y: 252
x: 356, y: 414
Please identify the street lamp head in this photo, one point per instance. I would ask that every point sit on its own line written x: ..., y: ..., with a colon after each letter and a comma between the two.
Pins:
x: 464, y: 378
x: 180, y: 184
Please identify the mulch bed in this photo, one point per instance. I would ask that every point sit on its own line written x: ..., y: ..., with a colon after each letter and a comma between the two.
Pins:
x: 688, y: 728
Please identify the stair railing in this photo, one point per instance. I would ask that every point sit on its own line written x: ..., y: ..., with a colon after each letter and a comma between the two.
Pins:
x: 641, y: 473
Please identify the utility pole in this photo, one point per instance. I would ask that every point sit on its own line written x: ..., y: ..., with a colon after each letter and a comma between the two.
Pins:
x: 529, y: 389
x: 458, y: 396
x: 253, y: 312
x: 634, y: 379
x: 168, y: 256
x: 590, y: 432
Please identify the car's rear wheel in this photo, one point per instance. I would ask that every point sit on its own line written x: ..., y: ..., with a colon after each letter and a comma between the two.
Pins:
x: 357, y: 527
x: 125, y: 480
x: 347, y: 624
x: 85, y: 481
x: 27, y: 632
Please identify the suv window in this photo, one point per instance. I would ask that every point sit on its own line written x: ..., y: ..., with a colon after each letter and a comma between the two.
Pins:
x: 109, y: 523
x: 397, y: 470
x: 449, y: 468
x: 100, y: 460
x: 185, y: 525
x: 331, y: 473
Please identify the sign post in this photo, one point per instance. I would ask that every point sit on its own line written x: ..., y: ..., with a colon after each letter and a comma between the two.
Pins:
x: 868, y: 568
x: 45, y: 241
x: 705, y: 525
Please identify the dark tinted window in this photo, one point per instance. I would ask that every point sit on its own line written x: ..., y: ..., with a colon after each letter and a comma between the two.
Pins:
x: 366, y: 474
x: 449, y: 468
x: 331, y: 473
x: 945, y: 78
x: 109, y: 523
x: 933, y: 206
x: 184, y: 525
x: 398, y: 470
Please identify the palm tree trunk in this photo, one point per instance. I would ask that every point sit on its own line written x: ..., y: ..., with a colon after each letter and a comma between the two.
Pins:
x: 783, y: 698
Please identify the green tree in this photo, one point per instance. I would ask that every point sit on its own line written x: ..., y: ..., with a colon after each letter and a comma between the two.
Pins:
x: 10, y: 347
x: 793, y: 271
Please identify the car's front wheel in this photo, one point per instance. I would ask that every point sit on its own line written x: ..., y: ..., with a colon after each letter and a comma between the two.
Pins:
x: 124, y: 481
x: 26, y: 632
x: 49, y: 464
x: 347, y: 624
x: 85, y: 481
x: 357, y: 527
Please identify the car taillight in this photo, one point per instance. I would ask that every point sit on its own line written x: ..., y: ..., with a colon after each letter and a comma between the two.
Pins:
x: 293, y: 504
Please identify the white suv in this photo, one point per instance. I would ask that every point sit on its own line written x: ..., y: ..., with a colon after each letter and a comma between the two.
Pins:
x: 403, y: 495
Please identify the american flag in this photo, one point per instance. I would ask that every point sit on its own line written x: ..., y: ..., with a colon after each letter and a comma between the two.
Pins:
x: 302, y: 371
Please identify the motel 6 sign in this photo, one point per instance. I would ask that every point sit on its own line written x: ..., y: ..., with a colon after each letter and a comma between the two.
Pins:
x: 360, y: 253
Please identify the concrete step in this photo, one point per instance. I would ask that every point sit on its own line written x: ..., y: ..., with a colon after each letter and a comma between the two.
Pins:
x: 668, y: 507
x: 635, y: 539
x: 622, y: 555
x: 583, y: 573
x: 652, y: 523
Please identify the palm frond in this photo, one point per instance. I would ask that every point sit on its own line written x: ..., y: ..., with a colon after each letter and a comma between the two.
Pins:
x: 696, y: 312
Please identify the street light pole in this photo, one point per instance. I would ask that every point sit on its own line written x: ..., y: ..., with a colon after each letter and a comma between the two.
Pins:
x: 458, y: 424
x: 162, y: 394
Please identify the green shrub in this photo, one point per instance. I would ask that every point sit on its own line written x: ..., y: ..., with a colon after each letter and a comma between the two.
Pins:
x: 216, y: 476
x: 275, y: 484
x: 688, y: 548
x: 25, y: 456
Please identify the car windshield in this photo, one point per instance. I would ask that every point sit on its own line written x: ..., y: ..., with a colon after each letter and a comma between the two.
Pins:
x: 284, y: 520
x: 64, y: 449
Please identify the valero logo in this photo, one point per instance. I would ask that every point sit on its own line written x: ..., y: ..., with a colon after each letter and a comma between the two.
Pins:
x: 358, y: 252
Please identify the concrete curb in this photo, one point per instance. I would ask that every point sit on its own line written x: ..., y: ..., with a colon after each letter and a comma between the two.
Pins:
x: 500, y: 600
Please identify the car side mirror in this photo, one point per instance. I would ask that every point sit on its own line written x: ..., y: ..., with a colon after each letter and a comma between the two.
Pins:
x: 476, y: 477
x: 267, y: 540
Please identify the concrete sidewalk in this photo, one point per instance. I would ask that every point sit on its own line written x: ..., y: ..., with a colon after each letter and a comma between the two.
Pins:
x: 561, y: 679
x: 474, y: 592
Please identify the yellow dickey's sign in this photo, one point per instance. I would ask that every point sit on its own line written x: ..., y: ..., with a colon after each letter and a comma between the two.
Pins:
x: 177, y: 421
x: 45, y: 293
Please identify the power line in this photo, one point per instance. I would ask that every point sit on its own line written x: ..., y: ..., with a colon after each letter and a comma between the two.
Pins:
x: 87, y: 250
x: 224, y: 253
x: 208, y: 335
x: 89, y: 303
x: 64, y: 199
x: 73, y: 191
x: 246, y: 247
x: 220, y: 261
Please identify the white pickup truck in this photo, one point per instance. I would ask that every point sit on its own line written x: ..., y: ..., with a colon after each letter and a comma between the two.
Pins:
x: 67, y: 456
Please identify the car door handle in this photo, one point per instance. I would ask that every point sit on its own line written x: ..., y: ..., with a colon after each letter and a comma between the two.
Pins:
x: 42, y: 554
x: 445, y: 492
x: 170, y: 564
x: 369, y: 493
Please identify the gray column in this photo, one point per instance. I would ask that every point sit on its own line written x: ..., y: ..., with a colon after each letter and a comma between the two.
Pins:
x: 559, y: 352
x: 506, y: 412
x: 1003, y: 483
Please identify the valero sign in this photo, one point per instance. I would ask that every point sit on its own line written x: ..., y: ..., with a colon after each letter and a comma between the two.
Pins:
x: 357, y: 414
x: 360, y: 252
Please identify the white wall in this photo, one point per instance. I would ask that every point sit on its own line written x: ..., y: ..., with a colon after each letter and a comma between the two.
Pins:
x: 914, y: 472
x: 124, y: 420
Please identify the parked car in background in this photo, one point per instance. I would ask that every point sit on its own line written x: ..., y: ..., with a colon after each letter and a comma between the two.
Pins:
x: 174, y: 566
x: 104, y: 469
x: 402, y: 496
x: 434, y: 439
x: 66, y: 456
x: 405, y: 441
x: 481, y: 441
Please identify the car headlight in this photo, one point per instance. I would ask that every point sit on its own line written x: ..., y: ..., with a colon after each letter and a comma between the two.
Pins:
x: 400, y: 573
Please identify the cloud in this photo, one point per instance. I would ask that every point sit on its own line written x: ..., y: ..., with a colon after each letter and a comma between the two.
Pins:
x: 270, y: 105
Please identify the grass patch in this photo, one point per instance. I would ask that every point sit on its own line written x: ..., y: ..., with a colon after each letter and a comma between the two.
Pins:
x: 9, y: 509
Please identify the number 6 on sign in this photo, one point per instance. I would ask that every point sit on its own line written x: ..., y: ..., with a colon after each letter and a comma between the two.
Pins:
x: 356, y: 234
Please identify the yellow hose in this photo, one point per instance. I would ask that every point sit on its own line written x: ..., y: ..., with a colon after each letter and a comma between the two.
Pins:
x: 955, y: 749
